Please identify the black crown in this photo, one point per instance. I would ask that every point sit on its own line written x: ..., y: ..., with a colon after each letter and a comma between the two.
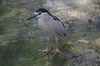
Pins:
x: 41, y: 10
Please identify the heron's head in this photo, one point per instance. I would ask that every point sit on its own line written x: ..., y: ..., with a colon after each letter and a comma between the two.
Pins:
x: 38, y: 12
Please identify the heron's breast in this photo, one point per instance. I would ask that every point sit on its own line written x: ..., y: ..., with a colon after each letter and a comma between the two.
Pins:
x: 45, y: 27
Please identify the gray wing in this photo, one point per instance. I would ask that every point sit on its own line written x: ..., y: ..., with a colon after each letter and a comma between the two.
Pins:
x: 57, y: 26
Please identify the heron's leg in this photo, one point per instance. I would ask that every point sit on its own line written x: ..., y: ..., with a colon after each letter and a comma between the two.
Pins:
x: 47, y: 50
x: 57, y: 50
x: 47, y: 42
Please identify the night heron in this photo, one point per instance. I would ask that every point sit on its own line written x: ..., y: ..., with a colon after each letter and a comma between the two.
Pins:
x: 49, y: 24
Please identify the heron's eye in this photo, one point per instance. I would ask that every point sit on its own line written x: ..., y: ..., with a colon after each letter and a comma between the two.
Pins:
x: 39, y: 13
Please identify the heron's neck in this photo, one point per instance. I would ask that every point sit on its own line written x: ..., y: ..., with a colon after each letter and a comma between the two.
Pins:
x: 45, y: 17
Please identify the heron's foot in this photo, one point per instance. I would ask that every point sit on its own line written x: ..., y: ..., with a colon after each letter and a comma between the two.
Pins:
x: 57, y: 51
x: 51, y: 51
x: 47, y: 51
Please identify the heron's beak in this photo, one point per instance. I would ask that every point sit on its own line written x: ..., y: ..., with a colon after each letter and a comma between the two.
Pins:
x: 34, y: 15
x: 31, y: 17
